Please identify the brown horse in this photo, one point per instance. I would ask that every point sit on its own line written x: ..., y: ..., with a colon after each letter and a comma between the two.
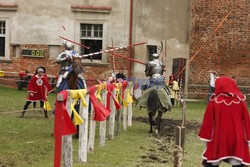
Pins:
x: 75, y: 82
x: 73, y: 78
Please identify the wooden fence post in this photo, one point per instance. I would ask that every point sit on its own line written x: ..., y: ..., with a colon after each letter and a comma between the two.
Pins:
x: 67, y: 141
x: 103, y: 124
x: 92, y: 131
x: 118, y: 116
x: 180, y: 138
x: 130, y: 106
x: 112, y: 118
x: 83, y: 131
x: 118, y: 121
x: 125, y: 111
x: 180, y: 131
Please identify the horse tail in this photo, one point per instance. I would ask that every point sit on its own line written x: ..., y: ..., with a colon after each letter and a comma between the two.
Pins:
x: 153, y: 102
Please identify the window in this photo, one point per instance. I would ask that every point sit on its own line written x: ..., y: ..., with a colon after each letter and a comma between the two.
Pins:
x: 92, y: 36
x: 151, y: 49
x: 2, y: 38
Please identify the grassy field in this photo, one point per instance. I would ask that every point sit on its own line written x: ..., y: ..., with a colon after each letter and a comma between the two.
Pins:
x: 28, y: 142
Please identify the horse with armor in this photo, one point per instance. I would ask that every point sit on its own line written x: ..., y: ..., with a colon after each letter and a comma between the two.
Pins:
x: 156, y: 97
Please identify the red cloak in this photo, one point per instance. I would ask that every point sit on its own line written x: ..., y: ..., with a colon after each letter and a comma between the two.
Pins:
x: 40, y: 87
x: 226, y: 124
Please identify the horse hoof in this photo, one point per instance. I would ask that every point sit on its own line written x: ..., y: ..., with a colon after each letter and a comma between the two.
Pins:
x: 151, y: 131
x: 157, y: 133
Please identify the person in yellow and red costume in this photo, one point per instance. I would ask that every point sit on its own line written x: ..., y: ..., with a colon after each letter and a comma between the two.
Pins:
x: 226, y: 126
x: 38, y: 89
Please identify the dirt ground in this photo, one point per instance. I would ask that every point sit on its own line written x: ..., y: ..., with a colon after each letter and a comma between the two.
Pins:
x: 162, y: 151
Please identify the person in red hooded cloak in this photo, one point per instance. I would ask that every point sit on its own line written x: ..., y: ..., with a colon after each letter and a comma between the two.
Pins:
x: 38, y: 89
x: 226, y: 126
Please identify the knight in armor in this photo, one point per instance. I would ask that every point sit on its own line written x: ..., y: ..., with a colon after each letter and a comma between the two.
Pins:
x: 65, y: 61
x: 157, y: 97
x: 154, y: 70
x: 161, y: 101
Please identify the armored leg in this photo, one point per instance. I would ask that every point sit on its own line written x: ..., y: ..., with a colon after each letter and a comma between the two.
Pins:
x: 65, y: 74
x: 59, y: 80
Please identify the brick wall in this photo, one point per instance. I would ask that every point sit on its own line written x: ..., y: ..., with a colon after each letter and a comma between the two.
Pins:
x: 228, y: 51
x: 92, y: 71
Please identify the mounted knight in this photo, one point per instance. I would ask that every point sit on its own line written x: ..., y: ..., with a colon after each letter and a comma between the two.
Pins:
x: 70, y: 68
x: 156, y: 97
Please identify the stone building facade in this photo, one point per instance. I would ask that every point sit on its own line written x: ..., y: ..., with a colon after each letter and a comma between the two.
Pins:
x: 29, y: 36
x: 32, y: 30
x: 228, y: 51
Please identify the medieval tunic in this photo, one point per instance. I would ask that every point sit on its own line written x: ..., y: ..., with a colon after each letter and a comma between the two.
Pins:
x: 39, y: 86
x: 226, y: 124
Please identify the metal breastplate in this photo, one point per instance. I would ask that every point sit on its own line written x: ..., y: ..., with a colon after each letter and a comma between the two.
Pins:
x: 62, y: 60
x: 155, y: 69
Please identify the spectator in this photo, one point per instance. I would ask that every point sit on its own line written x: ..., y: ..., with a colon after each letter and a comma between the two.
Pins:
x: 38, y: 89
x: 120, y: 75
x: 226, y: 126
x: 174, y: 87
x: 213, y: 77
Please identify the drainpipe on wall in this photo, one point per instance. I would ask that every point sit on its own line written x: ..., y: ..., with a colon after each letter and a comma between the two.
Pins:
x: 130, y: 36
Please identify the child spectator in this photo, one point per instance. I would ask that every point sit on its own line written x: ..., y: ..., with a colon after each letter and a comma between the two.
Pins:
x: 174, y: 87
x: 226, y: 126
x: 38, y: 89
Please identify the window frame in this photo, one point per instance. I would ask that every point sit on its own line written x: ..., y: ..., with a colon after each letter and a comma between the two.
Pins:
x: 7, y: 42
x: 92, y: 35
x: 78, y: 37
x: 148, y: 51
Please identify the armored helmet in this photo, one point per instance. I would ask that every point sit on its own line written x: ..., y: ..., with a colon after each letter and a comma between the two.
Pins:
x: 155, y: 55
x: 68, y: 45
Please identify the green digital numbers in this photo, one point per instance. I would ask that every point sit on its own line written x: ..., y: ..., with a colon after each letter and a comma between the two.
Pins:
x: 37, y: 53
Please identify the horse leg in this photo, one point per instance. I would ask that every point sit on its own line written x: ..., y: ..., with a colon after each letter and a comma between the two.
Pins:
x: 158, y: 122
x: 150, y: 116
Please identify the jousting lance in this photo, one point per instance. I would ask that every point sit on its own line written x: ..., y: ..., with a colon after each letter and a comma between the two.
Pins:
x: 110, y: 51
x: 74, y: 42
x: 128, y: 58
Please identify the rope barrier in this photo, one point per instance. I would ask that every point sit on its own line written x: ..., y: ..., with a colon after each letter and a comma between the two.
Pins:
x: 17, y: 111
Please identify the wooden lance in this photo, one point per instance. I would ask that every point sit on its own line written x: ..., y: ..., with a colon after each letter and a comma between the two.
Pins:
x: 110, y: 51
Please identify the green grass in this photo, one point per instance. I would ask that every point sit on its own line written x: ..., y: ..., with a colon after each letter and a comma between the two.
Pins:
x: 28, y: 142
